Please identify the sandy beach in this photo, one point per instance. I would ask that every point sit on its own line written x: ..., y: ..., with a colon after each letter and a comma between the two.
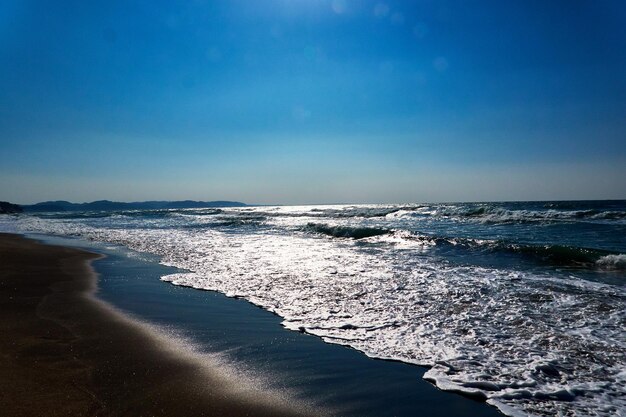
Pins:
x: 65, y: 353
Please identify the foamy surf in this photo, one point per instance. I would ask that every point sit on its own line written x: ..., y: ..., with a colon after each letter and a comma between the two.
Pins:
x: 612, y: 261
x: 498, y: 311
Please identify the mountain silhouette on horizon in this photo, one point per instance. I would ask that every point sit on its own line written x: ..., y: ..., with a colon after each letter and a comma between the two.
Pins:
x: 107, y: 205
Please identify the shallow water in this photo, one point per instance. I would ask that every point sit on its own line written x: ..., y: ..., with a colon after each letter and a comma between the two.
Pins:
x: 250, y: 344
x: 521, y: 304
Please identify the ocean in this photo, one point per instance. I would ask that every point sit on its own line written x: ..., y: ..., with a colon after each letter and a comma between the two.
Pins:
x: 519, y: 304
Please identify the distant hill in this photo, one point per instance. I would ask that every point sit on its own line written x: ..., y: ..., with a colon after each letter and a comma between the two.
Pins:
x: 106, y: 205
x: 6, y: 207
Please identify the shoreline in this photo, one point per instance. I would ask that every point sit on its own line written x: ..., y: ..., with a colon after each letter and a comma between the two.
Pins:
x: 66, y: 352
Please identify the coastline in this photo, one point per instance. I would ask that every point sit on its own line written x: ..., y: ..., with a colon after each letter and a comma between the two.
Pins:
x: 329, y: 378
x: 65, y: 352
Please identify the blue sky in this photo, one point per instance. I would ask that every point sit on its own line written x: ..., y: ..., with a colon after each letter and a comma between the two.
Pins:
x: 312, y: 101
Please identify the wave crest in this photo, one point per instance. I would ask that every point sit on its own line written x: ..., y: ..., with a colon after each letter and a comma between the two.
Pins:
x: 346, y: 231
x: 612, y: 262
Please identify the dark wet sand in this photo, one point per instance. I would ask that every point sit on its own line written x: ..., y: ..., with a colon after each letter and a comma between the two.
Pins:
x: 64, y: 353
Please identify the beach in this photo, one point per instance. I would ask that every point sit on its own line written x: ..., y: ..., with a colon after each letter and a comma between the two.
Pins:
x: 118, y: 343
x: 298, y: 305
x: 373, y: 208
x: 63, y: 352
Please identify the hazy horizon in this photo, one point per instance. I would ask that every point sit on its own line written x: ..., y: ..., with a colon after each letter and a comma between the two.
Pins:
x: 338, y: 203
x: 313, y: 102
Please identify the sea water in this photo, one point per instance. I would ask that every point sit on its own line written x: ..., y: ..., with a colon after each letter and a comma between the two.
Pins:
x: 520, y: 304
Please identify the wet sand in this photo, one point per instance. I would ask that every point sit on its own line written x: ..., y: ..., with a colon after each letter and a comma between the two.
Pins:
x: 65, y: 353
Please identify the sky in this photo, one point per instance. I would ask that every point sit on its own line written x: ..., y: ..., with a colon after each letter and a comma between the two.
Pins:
x: 312, y: 101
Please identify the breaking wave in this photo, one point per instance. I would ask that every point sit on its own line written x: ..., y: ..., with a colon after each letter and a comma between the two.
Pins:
x: 613, y: 262
x: 557, y: 255
x: 502, y: 215
x: 346, y: 231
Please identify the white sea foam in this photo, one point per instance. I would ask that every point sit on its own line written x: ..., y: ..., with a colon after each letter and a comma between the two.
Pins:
x: 528, y: 343
x: 617, y: 261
